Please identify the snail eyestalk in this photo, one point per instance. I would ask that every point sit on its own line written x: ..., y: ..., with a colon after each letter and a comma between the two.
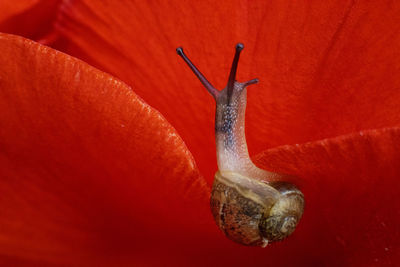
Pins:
x: 210, y: 88
x: 253, y: 207
x: 232, y: 76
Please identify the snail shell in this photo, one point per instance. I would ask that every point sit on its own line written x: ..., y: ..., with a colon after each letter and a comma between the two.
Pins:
x: 251, y: 206
x: 255, y: 213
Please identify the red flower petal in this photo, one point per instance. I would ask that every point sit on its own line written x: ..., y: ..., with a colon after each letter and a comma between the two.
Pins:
x: 28, y: 18
x: 326, y: 68
x: 10, y: 9
x: 87, y: 169
x: 351, y: 185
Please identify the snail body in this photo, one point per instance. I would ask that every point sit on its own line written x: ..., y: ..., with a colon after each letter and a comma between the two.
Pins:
x: 251, y: 206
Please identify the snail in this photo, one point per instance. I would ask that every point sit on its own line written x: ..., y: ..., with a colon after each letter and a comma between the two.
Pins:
x: 251, y: 206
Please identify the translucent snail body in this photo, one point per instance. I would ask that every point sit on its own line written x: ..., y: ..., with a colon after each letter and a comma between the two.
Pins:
x: 250, y: 205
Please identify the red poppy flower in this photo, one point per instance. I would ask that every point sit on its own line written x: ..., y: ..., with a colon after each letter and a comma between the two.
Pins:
x: 92, y: 175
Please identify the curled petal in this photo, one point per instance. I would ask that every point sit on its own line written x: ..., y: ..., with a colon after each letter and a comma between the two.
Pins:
x: 88, y: 170
x: 29, y: 18
x: 351, y: 188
